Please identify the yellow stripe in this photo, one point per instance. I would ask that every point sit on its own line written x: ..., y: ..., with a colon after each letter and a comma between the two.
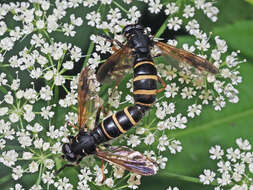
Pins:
x: 144, y: 62
x: 103, y: 127
x: 141, y: 77
x: 143, y: 104
x: 129, y: 116
x: 145, y: 92
x: 117, y: 123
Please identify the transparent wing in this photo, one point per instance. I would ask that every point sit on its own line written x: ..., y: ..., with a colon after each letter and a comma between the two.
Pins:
x: 186, y: 57
x: 129, y: 159
x: 119, y: 61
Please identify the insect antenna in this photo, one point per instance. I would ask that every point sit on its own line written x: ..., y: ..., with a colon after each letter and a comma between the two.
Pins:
x: 62, y: 168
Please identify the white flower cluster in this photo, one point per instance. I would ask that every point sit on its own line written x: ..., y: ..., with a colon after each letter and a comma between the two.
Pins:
x: 235, y: 167
x: 33, y: 117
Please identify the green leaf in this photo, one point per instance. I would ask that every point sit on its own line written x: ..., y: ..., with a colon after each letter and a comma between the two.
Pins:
x: 238, y: 36
x: 229, y: 13
x: 249, y: 1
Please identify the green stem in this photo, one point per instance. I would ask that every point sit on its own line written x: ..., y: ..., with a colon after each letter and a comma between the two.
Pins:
x: 5, y: 65
x: 5, y: 179
x: 3, y: 90
x: 122, y: 8
x: 56, y: 94
x: 91, y: 47
x: 180, y: 177
x: 40, y: 174
x: 123, y: 187
x: 47, y: 36
x: 162, y: 28
x: 214, y: 123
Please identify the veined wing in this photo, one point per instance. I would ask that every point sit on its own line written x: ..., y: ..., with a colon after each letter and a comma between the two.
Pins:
x: 187, y: 57
x: 122, y: 58
x: 83, y: 96
x: 129, y: 159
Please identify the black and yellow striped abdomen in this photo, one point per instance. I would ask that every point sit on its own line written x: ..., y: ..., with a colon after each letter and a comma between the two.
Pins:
x: 121, y: 121
x: 145, y: 83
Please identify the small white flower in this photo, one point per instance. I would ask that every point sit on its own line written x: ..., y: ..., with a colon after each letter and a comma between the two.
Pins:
x: 46, y: 112
x: 63, y: 184
x: 49, y: 164
x: 174, y: 23
x: 3, y: 111
x: 175, y: 146
x: 93, y: 18
x: 48, y: 178
x: 17, y: 172
x: 188, y: 93
x: 14, y: 117
x: 33, y: 167
x: 163, y: 142
x: 118, y: 172
x: 49, y: 75
x: 155, y: 6
x: 46, y: 93
x: 224, y: 167
x: 172, y: 188
x: 216, y: 152
x: 202, y: 45
x: 8, y: 98
x: 27, y: 155
x: 68, y: 65
x: 162, y: 161
x: 3, y: 28
x: 194, y: 109
x: 140, y: 130
x: 171, y: 90
x: 149, y: 139
x: 171, y: 8
x: 76, y: 21
x: 9, y: 158
x: 188, y: 11
x: 225, y: 179
x: 114, y: 15
x: 3, y: 81
x: 109, y: 182
x: 133, y: 141
x: 24, y: 139
x: 59, y: 79
x: 244, y: 145
x: 40, y: 24
x: 233, y: 155
x: 207, y: 177
x: 133, y: 181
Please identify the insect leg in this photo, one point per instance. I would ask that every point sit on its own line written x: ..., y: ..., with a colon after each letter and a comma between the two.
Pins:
x: 108, y: 38
x: 98, y: 116
x: 104, y: 110
x: 102, y: 170
x: 162, y: 83
x: 156, y: 55
x: 62, y: 168
x: 72, y: 125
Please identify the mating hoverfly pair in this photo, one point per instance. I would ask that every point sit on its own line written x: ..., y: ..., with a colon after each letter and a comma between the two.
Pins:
x: 135, y: 53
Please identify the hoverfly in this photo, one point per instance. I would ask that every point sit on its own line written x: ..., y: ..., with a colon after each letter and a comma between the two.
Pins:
x: 136, y: 53
x: 86, y: 142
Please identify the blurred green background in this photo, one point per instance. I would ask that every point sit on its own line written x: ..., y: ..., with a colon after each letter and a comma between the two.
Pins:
x: 235, y: 25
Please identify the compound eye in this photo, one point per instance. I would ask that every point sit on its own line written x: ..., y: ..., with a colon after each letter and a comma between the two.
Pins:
x: 66, y: 148
x: 138, y: 26
x: 71, y: 157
